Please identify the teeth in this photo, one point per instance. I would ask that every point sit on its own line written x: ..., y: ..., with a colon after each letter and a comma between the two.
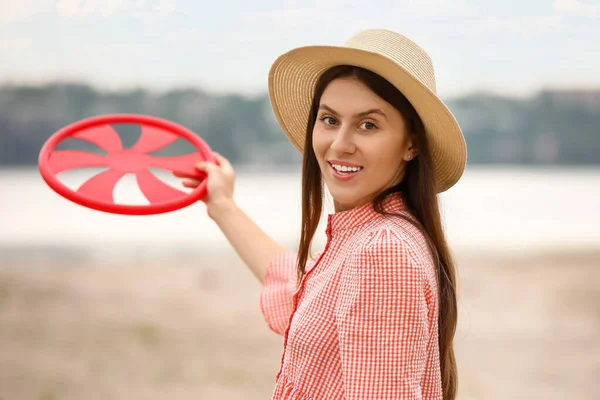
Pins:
x: 343, y: 168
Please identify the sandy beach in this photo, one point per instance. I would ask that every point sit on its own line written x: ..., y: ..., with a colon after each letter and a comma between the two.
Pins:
x: 191, y: 328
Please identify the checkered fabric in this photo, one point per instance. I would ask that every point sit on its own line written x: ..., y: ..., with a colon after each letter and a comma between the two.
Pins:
x: 363, y: 322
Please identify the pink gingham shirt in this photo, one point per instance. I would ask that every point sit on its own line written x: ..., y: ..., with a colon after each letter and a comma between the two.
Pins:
x: 363, y: 324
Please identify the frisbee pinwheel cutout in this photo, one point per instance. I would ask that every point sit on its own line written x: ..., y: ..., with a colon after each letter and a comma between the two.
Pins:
x: 97, y: 191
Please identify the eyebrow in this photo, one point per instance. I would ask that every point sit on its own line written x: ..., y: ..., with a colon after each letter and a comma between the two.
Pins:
x: 360, y: 114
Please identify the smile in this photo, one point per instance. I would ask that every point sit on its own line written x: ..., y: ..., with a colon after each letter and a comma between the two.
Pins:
x: 344, y: 172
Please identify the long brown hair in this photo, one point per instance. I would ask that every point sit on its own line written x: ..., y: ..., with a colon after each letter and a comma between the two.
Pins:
x: 420, y: 195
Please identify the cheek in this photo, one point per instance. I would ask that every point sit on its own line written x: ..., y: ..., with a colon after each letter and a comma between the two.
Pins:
x: 388, y: 159
x: 319, y: 144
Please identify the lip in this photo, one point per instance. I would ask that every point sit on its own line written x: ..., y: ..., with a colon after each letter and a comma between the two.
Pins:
x: 343, y: 163
x: 344, y: 177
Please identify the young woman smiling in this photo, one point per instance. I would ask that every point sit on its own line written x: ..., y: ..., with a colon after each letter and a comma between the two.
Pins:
x: 373, y: 315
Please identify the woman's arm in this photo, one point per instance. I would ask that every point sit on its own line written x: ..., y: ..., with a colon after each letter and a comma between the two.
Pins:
x: 273, y: 264
x: 251, y: 243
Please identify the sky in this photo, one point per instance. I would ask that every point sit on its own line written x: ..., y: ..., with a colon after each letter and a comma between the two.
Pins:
x: 511, y: 47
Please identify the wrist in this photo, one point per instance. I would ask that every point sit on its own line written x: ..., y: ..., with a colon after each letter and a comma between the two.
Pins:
x: 219, y: 209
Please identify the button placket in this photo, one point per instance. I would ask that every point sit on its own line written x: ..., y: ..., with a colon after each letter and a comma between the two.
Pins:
x: 297, y: 295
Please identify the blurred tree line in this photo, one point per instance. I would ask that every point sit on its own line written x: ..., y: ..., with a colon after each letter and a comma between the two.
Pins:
x: 552, y: 127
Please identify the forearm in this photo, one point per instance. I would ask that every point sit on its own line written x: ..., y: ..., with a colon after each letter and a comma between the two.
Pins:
x: 250, y: 242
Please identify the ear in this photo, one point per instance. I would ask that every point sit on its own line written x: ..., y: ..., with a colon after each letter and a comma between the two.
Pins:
x: 411, y: 148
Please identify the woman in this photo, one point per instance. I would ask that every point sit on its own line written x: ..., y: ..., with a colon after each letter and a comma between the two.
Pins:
x: 373, y: 315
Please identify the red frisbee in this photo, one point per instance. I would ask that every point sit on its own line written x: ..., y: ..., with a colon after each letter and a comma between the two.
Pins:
x: 97, y: 192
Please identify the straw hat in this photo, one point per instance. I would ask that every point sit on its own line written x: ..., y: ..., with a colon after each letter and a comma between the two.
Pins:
x: 403, y: 63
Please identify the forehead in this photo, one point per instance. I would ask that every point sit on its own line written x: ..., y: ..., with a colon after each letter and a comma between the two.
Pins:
x: 350, y: 94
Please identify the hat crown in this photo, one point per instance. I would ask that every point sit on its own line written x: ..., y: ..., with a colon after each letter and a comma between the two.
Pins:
x: 399, y: 49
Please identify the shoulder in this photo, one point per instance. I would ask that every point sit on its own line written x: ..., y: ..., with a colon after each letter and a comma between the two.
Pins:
x: 398, y: 234
x: 388, y: 246
x: 397, y: 249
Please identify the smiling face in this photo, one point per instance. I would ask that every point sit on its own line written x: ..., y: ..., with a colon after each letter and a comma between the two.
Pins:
x: 360, y: 141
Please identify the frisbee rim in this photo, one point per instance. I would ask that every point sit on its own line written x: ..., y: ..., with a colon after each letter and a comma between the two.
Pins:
x: 125, y: 209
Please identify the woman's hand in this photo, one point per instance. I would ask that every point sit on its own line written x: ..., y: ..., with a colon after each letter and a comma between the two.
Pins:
x: 220, y: 186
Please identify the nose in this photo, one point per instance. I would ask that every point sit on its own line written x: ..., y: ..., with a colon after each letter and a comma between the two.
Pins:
x: 343, y: 141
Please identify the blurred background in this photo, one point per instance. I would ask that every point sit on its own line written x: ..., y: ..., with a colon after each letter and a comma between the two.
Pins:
x: 102, y: 306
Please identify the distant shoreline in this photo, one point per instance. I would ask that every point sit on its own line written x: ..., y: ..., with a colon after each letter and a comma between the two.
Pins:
x: 139, y: 254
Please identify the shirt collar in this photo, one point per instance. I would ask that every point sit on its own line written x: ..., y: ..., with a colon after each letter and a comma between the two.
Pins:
x: 361, y: 215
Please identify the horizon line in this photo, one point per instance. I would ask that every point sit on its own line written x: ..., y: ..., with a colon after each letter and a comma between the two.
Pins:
x: 112, y: 89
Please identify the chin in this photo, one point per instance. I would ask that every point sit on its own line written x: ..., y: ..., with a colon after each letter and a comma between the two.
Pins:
x: 347, y: 199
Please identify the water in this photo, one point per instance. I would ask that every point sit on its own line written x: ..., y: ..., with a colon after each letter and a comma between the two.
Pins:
x: 499, y: 209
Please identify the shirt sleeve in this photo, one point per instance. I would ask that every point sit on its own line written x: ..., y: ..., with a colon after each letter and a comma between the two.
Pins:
x: 279, y: 287
x: 383, y: 322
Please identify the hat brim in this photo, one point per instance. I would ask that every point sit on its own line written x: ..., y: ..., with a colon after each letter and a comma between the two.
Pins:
x: 292, y: 79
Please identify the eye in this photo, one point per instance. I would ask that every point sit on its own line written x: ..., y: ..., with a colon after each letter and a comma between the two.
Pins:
x: 328, y: 120
x: 368, y: 126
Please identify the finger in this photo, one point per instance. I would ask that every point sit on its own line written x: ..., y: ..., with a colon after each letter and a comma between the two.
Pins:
x: 217, y: 157
x: 190, y: 183
x: 182, y: 174
x: 206, y: 166
x: 223, y: 162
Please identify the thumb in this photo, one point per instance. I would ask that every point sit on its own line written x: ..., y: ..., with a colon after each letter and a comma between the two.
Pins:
x: 206, y: 166
x: 223, y: 162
